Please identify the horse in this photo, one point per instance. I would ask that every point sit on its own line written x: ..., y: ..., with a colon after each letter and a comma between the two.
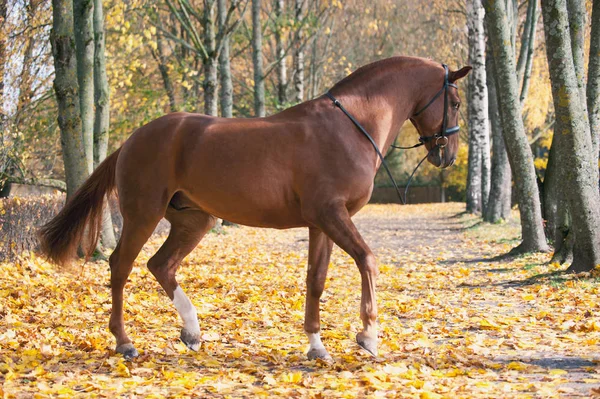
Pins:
x: 307, y: 166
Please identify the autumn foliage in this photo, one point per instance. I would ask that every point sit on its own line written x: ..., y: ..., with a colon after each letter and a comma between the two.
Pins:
x: 454, y: 324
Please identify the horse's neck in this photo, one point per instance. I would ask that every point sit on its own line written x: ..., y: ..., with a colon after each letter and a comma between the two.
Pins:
x: 381, y: 109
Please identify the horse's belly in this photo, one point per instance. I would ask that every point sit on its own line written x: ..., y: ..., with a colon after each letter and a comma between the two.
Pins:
x: 273, y: 207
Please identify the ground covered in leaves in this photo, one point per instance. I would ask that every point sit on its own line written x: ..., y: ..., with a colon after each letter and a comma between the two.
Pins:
x: 454, y: 322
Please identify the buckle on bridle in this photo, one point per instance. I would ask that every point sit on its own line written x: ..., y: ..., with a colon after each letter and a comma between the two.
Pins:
x: 437, y: 141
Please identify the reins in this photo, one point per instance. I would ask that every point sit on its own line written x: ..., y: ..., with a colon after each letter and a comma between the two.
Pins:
x: 442, y: 135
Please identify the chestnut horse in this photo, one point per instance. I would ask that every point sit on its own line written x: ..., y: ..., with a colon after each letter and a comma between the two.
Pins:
x: 307, y: 166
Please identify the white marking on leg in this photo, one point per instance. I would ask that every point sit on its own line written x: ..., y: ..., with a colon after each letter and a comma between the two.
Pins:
x: 186, y: 310
x: 314, y: 340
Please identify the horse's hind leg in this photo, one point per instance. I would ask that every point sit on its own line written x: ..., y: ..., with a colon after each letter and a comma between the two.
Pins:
x: 188, y: 226
x: 319, y: 252
x: 136, y: 232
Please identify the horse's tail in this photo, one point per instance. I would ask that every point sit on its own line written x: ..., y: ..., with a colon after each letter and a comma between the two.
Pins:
x: 78, y: 223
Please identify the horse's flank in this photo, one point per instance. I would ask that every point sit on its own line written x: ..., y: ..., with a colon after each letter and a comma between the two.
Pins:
x: 259, y: 172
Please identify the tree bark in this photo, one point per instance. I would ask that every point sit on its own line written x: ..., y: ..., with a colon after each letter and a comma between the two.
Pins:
x: 279, y: 6
x: 101, y: 89
x: 572, y: 138
x: 161, y: 59
x: 84, y: 41
x: 3, y: 10
x: 257, y: 61
x: 25, y: 80
x: 517, y: 145
x: 226, y: 91
x: 478, y: 179
x: 593, y: 83
x: 210, y: 62
x: 530, y: 50
x: 499, y: 204
x: 102, y: 115
x: 299, y: 54
x: 62, y: 39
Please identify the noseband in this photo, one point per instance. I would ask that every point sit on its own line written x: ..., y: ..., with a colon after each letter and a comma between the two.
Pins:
x: 441, y: 138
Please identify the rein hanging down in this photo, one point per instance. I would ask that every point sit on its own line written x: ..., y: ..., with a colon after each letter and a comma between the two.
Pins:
x: 442, y: 135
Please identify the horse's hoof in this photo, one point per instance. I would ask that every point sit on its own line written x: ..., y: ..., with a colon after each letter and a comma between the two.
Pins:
x: 367, y: 343
x: 191, y: 340
x: 128, y: 351
x: 320, y: 354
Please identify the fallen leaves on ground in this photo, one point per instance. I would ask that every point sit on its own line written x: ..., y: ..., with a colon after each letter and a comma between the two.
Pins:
x: 452, y: 323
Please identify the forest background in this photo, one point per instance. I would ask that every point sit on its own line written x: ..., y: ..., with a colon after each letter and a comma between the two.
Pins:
x: 153, y: 68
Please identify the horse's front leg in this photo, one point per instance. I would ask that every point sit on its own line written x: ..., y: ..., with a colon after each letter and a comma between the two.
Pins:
x: 334, y: 220
x: 319, y: 252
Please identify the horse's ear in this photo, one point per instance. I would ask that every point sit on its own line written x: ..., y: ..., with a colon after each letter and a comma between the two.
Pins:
x: 453, y: 76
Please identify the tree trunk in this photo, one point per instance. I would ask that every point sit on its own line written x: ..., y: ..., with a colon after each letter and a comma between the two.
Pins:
x: 210, y: 62
x: 84, y: 40
x: 531, y: 27
x: 3, y: 10
x: 593, y: 83
x: 279, y: 6
x: 299, y: 54
x: 25, y: 80
x: 102, y: 115
x: 478, y: 180
x: 226, y: 92
x: 499, y: 204
x: 62, y: 39
x: 259, y: 83
x: 517, y: 145
x: 161, y: 59
x: 572, y: 139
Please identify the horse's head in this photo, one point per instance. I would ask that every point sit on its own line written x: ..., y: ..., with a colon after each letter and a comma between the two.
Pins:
x: 437, y: 119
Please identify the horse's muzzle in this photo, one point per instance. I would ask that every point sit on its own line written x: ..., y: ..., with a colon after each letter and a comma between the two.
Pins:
x: 440, y: 158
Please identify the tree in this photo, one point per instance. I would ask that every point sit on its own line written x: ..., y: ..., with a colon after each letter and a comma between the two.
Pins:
x: 593, y: 83
x: 257, y: 62
x: 556, y: 206
x: 279, y: 6
x: 517, y: 145
x: 207, y: 46
x: 573, y: 140
x: 160, y: 56
x: 299, y: 53
x: 499, y: 202
x: 478, y: 178
x: 102, y: 113
x: 226, y: 92
x: 62, y: 39
x: 84, y: 39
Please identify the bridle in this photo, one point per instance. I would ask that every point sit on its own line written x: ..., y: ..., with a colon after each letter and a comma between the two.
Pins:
x: 441, y: 138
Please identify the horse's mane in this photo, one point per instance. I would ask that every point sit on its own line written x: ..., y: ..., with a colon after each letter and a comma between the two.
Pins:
x: 380, y: 67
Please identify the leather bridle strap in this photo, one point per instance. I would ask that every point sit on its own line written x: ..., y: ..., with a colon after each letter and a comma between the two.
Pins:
x: 442, y: 135
x: 368, y: 136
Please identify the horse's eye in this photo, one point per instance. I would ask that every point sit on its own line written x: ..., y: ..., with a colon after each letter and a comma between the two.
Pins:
x: 456, y: 105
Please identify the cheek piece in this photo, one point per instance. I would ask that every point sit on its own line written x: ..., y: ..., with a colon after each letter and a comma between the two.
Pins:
x: 441, y: 137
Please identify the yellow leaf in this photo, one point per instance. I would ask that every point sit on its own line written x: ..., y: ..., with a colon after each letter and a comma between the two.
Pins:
x: 430, y: 395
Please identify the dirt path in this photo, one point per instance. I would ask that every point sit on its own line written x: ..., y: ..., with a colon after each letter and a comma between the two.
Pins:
x: 546, y: 341
x: 453, y: 324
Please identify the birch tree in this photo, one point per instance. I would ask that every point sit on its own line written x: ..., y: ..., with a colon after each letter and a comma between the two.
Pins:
x: 226, y: 85
x: 102, y: 113
x: 572, y: 139
x: 299, y: 53
x: 478, y: 178
x: 517, y: 145
x: 257, y: 61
